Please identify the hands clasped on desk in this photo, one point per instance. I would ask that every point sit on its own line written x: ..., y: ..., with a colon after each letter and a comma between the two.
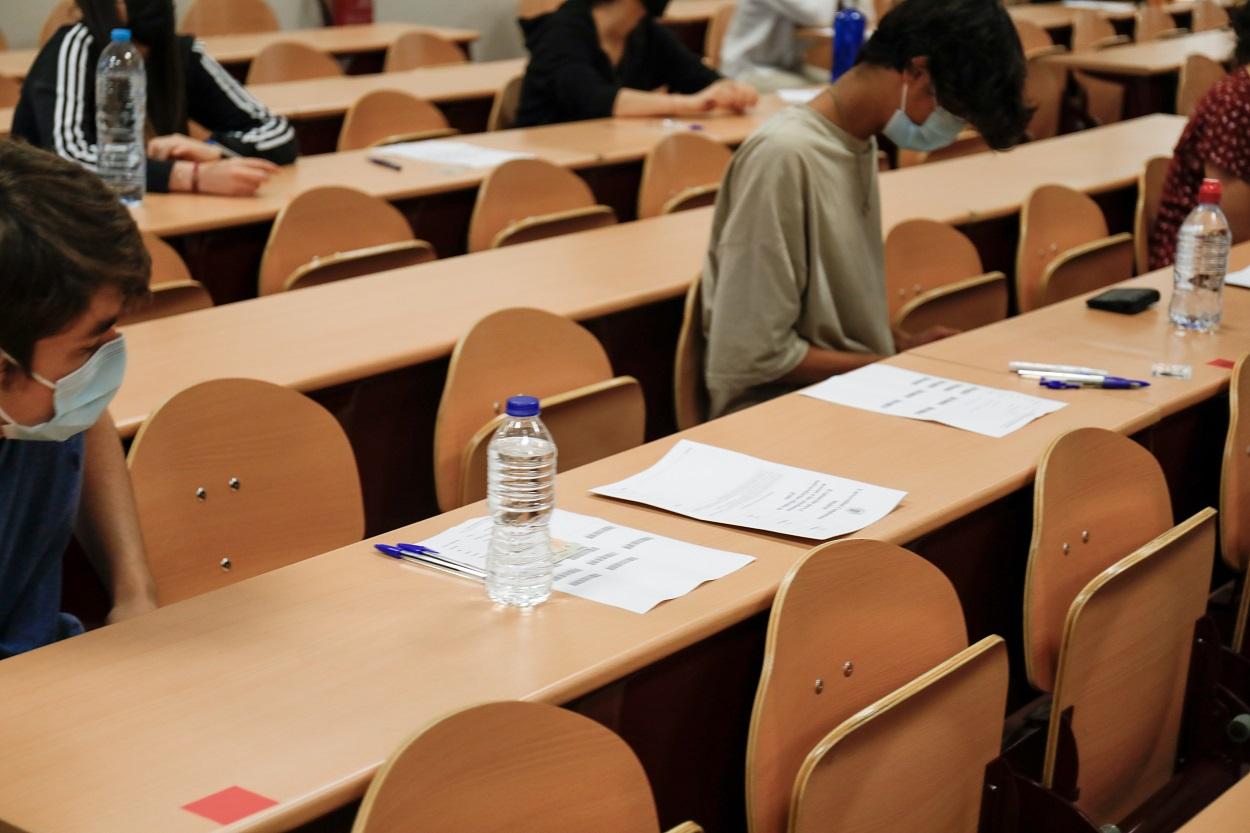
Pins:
x: 204, y: 168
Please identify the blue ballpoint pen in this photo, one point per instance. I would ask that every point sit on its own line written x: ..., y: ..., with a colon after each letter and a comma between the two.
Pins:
x: 416, y: 548
x: 1106, y: 382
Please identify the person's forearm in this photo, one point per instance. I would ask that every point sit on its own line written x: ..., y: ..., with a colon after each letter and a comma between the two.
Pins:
x: 108, y: 521
x: 639, y: 103
x: 819, y: 365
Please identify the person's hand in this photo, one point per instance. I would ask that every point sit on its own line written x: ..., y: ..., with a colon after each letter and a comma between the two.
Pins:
x: 906, y: 341
x: 176, y: 146
x: 131, y: 607
x: 723, y: 95
x: 240, y: 177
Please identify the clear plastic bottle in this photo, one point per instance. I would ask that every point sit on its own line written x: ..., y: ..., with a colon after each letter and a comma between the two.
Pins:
x: 1201, y: 263
x: 520, y: 492
x: 121, y: 96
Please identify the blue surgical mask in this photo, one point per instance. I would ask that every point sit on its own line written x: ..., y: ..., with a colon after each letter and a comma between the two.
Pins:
x: 78, y: 399
x: 938, y: 131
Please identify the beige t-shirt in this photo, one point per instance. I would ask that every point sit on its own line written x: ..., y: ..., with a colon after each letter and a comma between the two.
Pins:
x: 796, y: 258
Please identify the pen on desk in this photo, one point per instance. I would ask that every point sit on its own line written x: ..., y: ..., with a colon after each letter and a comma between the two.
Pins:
x: 1067, y: 376
x: 416, y: 548
x: 1020, y: 367
x: 385, y: 163
x: 434, y: 562
x: 1106, y: 383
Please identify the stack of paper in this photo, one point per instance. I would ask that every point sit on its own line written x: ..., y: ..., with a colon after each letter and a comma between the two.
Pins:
x: 448, y: 152
x: 884, y: 389
x: 605, y: 562
x: 726, y: 487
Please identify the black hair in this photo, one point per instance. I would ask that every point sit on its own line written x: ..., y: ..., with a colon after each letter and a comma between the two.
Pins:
x: 974, y: 58
x: 1239, y: 16
x: 151, y: 23
x: 64, y: 235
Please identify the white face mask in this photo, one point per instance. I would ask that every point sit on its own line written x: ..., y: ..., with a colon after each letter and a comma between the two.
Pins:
x: 78, y: 399
x: 938, y: 131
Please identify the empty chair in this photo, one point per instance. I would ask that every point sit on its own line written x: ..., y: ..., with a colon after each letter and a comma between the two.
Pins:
x: 1208, y: 15
x: 418, y: 48
x: 173, y: 290
x: 64, y: 13
x: 332, y: 233
x: 1104, y: 99
x: 10, y: 91
x: 1149, y: 195
x: 236, y: 477
x: 1154, y: 23
x: 503, y: 109
x: 1034, y: 40
x: 512, y: 766
x: 1086, y: 518
x: 1198, y: 75
x: 529, y: 199
x: 933, y: 276
x: 384, y: 117
x: 690, y: 395
x: 529, y: 351
x: 1235, y: 492
x: 717, y: 28
x: 683, y: 170
x: 291, y: 61
x: 841, y: 636
x: 1122, y: 672
x: 1044, y: 85
x: 1065, y: 249
x: 208, y: 18
x: 1092, y: 30
x: 915, y: 759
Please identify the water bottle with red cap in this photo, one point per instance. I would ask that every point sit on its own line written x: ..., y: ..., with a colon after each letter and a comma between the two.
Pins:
x: 1201, y: 262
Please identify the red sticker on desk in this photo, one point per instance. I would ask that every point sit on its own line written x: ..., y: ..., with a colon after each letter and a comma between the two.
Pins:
x: 1224, y: 363
x: 229, y: 805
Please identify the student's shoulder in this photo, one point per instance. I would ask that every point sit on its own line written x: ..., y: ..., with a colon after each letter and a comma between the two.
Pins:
x: 789, y: 135
x: 69, y: 40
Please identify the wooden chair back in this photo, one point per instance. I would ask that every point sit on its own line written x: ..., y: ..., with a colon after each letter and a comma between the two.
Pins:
x: 504, y: 108
x: 1154, y: 23
x: 510, y: 352
x: 1087, y: 267
x: 690, y: 395
x: 357, y: 263
x: 1104, y: 99
x: 167, y: 265
x: 1097, y: 497
x: 173, y: 290
x: 968, y: 143
x: 922, y: 255
x: 291, y: 61
x: 510, y: 766
x: 529, y: 199
x: 418, y: 48
x: 10, y: 91
x: 64, y: 13
x: 1149, y: 195
x: 1235, y: 490
x: 1123, y: 669
x: 1092, y: 30
x: 208, y: 18
x: 717, y: 28
x: 236, y: 477
x: 587, y: 424
x: 1053, y: 220
x: 935, y: 734
x: 1198, y: 75
x: 841, y: 636
x: 682, y: 170
x: 1033, y: 38
x: 324, y: 221
x: 1208, y: 15
x: 384, y: 117
x: 964, y: 305
x: 1044, y: 85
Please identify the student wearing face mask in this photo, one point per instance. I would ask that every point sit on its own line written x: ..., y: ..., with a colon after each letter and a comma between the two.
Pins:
x: 794, y: 281
x: 70, y: 260
x: 57, y: 106
x: 592, y: 59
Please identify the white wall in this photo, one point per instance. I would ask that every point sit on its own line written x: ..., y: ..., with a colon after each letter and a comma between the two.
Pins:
x: 21, y: 20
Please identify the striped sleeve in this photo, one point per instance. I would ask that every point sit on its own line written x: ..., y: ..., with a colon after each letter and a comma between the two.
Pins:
x: 237, y: 120
x: 73, y: 78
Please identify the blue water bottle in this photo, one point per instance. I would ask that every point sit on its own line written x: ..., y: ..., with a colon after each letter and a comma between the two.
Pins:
x: 848, y: 37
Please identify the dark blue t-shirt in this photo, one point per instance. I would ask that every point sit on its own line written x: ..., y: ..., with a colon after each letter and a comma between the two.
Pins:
x: 40, y: 483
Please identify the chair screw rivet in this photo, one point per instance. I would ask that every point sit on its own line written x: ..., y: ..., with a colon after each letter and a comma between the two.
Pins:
x: 848, y: 668
x: 226, y: 564
x: 1085, y: 536
x: 820, y: 685
x: 234, y: 484
x: 201, y: 494
x: 1067, y: 548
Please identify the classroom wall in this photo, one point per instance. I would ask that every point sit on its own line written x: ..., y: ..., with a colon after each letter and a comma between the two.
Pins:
x: 21, y: 20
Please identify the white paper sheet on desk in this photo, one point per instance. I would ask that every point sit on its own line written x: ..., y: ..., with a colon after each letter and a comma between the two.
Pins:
x: 606, y: 562
x: 726, y: 487
x: 449, y: 152
x: 884, y: 389
x: 799, y: 96
x: 1239, y: 278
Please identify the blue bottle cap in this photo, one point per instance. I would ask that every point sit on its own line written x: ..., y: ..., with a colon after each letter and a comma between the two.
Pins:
x: 523, y: 406
x: 121, y: 35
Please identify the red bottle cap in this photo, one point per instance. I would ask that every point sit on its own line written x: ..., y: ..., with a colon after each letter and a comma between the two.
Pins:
x: 1210, y: 192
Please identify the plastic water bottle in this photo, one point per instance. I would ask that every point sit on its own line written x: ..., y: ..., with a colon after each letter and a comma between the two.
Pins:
x: 848, y: 37
x: 520, y: 491
x: 1201, y: 263
x: 121, y: 96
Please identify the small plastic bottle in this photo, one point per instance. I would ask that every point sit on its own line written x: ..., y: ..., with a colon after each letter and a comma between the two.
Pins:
x: 121, y: 95
x: 1201, y: 263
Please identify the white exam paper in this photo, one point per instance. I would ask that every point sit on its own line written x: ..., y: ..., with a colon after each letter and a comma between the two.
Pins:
x: 884, y: 389
x: 1239, y: 278
x: 801, y: 95
x: 606, y: 562
x: 450, y: 152
x: 726, y: 487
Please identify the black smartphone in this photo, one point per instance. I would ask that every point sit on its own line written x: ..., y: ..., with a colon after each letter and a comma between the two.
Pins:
x: 1125, y: 301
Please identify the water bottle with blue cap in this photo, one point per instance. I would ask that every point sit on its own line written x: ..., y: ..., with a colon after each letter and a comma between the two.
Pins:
x: 121, y: 96
x: 520, y: 493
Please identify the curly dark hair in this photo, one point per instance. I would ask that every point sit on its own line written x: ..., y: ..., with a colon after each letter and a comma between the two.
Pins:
x: 64, y: 235
x: 1239, y: 16
x: 974, y: 58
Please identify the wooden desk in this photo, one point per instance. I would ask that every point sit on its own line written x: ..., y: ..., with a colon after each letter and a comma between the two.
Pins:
x: 1226, y: 814
x: 235, y: 51
x: 298, y: 683
x: 692, y: 11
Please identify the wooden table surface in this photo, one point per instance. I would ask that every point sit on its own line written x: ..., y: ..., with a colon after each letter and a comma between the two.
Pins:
x: 239, y: 49
x: 1227, y: 814
x: 692, y: 11
x: 1159, y: 57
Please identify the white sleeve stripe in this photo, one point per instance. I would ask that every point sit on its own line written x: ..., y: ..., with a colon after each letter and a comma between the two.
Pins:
x: 272, y: 132
x: 68, y: 139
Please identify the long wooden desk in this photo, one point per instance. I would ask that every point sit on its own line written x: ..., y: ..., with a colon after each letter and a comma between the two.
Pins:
x: 1227, y: 814
x: 235, y: 50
